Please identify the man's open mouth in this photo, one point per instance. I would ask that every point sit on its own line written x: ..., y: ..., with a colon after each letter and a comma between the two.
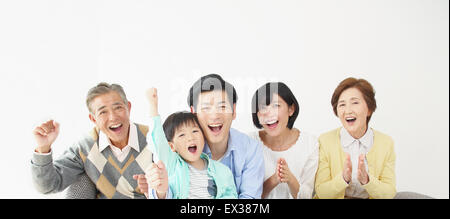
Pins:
x: 215, y: 128
x: 116, y: 127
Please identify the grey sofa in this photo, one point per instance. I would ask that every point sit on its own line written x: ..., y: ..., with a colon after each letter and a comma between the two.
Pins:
x: 84, y: 188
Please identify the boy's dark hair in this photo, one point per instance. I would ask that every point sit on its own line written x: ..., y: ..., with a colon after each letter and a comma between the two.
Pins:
x: 264, y: 95
x: 176, y: 120
x: 207, y: 83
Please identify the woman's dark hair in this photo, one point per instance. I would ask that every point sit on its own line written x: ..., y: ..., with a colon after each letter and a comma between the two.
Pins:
x: 176, y: 120
x: 207, y: 83
x: 264, y: 95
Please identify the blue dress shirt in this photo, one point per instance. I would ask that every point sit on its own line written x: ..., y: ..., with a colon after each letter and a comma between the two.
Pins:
x: 245, y: 159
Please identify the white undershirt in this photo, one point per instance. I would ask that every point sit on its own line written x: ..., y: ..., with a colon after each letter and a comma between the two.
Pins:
x: 302, y: 159
x: 201, y: 184
x: 120, y: 154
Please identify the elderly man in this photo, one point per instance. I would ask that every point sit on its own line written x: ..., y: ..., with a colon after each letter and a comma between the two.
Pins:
x: 113, y: 152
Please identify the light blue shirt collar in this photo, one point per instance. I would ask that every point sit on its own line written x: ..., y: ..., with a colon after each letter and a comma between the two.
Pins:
x: 230, y: 146
x: 245, y: 159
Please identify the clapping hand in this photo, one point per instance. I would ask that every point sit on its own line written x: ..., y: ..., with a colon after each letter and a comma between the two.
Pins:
x: 363, y: 176
x: 347, y: 173
x: 284, y: 174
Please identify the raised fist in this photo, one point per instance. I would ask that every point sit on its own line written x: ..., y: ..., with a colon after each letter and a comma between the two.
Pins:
x: 45, y: 135
x: 152, y: 97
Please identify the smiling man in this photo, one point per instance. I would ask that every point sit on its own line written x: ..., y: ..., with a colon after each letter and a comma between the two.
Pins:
x: 213, y: 101
x: 110, y: 155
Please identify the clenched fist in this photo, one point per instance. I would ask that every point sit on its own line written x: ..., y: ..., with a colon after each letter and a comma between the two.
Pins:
x: 45, y: 135
x: 152, y: 97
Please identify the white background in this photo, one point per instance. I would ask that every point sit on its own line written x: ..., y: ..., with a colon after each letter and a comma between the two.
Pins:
x: 52, y: 52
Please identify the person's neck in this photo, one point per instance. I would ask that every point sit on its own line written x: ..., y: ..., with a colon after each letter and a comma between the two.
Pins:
x: 359, y: 133
x: 121, y: 144
x: 283, y: 140
x: 218, y: 149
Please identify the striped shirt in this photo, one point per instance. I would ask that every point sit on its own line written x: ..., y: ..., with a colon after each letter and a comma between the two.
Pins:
x: 202, y: 186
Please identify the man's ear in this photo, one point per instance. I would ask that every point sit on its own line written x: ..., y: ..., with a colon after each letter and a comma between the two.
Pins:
x: 234, y: 111
x: 129, y: 106
x: 92, y: 118
x: 172, y: 147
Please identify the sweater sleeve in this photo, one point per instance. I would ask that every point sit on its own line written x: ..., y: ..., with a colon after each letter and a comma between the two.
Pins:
x: 54, y: 176
x: 384, y: 186
x: 325, y: 186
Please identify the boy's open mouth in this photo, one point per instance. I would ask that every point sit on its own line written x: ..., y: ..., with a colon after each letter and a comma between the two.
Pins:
x: 215, y: 128
x: 192, y: 149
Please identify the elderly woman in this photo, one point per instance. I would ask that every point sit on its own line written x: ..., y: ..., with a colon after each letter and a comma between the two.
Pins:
x: 290, y: 155
x: 355, y: 161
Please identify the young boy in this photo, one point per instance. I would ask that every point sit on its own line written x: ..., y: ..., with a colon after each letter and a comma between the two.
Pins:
x: 191, y: 174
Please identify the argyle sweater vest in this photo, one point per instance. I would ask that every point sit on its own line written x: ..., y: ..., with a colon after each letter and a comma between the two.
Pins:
x: 112, y: 178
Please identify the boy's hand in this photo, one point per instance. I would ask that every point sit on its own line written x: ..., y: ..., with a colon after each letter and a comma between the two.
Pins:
x: 45, y: 135
x: 152, y: 97
x: 157, y: 179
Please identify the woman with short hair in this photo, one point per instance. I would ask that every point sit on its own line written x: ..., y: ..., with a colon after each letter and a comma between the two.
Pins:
x: 355, y: 161
x: 290, y: 155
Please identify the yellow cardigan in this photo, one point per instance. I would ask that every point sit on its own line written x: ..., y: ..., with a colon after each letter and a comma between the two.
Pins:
x: 330, y: 183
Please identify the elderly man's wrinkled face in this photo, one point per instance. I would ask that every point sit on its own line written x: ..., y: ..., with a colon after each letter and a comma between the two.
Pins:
x: 112, y: 116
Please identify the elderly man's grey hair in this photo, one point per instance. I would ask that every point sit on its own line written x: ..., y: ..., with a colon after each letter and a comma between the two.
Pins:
x: 103, y: 88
